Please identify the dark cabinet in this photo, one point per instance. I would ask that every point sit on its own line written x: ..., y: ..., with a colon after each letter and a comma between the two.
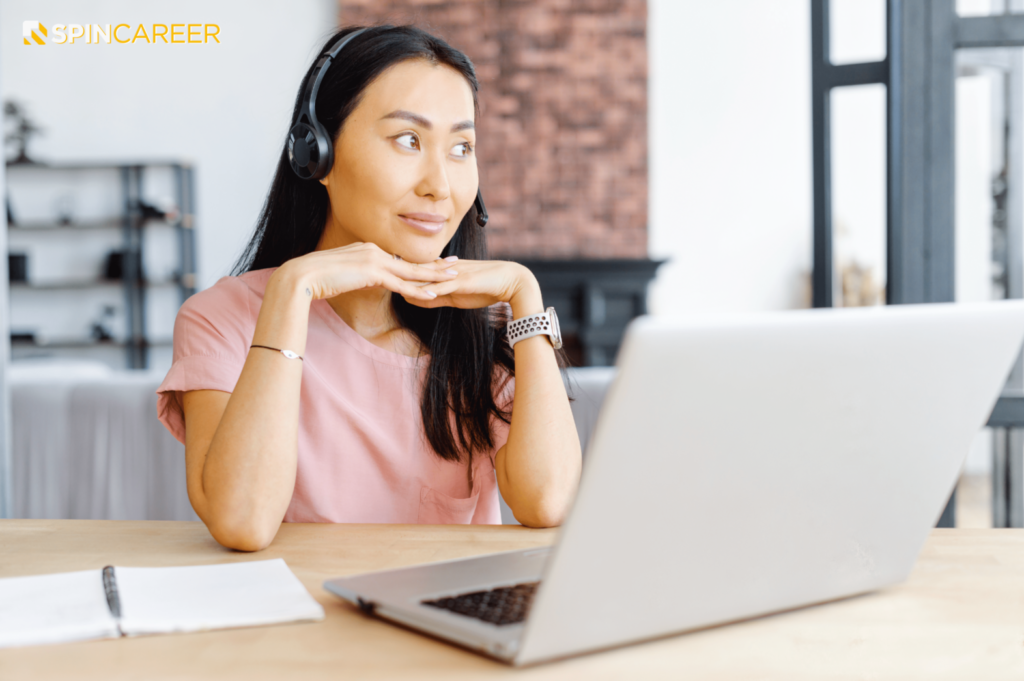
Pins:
x: 595, y: 300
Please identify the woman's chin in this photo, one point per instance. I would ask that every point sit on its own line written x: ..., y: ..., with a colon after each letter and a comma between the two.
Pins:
x: 420, y: 252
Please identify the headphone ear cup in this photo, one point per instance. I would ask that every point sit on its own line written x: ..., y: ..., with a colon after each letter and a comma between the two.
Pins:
x: 310, y: 152
x: 303, y: 153
x: 325, y: 152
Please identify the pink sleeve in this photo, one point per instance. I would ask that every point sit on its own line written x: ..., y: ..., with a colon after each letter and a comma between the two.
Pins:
x: 212, y: 333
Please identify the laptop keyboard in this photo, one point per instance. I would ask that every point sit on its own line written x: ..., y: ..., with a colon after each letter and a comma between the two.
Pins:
x: 504, y: 605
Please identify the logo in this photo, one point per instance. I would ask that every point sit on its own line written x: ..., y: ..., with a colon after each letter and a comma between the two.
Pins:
x: 33, y: 32
x: 30, y: 31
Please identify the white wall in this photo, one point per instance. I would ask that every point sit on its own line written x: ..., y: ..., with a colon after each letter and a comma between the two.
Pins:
x: 730, y: 151
x: 730, y: 154
x: 225, y: 107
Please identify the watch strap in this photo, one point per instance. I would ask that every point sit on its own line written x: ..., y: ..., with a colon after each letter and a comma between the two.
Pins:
x: 532, y: 325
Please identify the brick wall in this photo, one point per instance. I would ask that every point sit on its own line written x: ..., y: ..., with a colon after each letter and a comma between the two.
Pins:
x: 562, y: 136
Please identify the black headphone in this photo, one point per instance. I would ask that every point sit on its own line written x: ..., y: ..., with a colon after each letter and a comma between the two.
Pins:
x: 310, y: 150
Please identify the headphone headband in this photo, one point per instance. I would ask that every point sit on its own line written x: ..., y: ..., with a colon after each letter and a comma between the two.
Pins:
x: 317, y: 77
x: 310, y: 151
x: 310, y: 148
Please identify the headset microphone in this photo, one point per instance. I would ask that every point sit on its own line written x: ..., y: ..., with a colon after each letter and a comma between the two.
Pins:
x: 481, y: 210
x: 310, y: 149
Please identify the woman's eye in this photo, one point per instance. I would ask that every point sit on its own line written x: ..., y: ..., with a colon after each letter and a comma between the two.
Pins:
x: 464, y: 149
x: 411, y: 141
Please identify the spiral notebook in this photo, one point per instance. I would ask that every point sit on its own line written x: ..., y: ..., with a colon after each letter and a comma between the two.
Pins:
x: 126, y: 601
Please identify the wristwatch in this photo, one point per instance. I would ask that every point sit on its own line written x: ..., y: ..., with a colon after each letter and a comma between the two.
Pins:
x: 543, y: 323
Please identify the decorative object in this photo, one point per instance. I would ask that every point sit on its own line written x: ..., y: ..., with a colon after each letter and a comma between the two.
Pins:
x: 64, y: 208
x: 17, y: 267
x: 115, y: 265
x: 22, y: 131
x: 102, y: 328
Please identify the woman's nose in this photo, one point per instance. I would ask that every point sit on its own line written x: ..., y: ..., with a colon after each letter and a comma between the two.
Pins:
x: 434, y: 182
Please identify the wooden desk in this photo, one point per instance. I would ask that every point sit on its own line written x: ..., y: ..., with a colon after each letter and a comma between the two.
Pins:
x: 960, y: 616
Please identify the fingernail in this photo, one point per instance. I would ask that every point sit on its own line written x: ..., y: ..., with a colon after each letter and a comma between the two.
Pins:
x: 431, y: 294
x: 451, y: 272
x: 451, y: 258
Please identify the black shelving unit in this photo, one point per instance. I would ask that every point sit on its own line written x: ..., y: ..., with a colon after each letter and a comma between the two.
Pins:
x: 136, y: 214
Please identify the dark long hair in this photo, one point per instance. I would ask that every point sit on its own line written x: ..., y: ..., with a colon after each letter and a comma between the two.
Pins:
x: 466, y: 346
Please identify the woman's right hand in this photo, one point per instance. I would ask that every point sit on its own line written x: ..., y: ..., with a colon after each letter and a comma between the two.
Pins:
x: 328, y: 273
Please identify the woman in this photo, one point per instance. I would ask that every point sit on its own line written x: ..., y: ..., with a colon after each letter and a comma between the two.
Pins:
x: 354, y: 370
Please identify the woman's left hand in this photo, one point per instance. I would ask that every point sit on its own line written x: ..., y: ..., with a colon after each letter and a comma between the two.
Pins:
x: 482, y: 283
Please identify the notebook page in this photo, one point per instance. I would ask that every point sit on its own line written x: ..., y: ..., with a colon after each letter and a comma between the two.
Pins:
x: 70, y: 606
x: 159, y: 600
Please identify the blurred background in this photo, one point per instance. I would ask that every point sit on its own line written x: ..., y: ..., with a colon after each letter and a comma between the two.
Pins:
x: 639, y: 155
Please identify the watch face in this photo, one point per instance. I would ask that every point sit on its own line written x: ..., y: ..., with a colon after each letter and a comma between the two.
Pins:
x: 556, y: 330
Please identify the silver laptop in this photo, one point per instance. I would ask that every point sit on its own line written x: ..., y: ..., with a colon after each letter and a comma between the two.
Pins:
x: 741, y: 465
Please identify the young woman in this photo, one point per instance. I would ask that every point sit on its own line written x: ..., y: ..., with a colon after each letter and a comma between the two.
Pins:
x: 355, y: 370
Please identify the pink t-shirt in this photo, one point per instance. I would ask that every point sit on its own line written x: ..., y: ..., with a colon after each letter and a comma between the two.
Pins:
x: 363, y: 456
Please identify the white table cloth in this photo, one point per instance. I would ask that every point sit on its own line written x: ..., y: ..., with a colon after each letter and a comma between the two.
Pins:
x: 86, y: 443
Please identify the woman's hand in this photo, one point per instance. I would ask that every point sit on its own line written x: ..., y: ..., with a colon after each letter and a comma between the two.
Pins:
x: 328, y: 273
x: 481, y: 283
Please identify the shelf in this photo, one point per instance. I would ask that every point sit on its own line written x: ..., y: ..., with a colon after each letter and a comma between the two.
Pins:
x: 96, y: 283
x: 90, y: 226
x: 52, y: 226
x: 106, y: 165
x: 77, y: 343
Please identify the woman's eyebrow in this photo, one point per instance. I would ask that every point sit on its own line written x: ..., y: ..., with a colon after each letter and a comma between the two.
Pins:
x: 424, y: 122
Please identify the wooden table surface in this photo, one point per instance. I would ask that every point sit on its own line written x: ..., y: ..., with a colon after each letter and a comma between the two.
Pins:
x: 960, y: 616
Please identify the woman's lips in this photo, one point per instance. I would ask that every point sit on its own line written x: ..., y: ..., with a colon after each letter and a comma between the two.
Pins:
x: 425, y: 226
